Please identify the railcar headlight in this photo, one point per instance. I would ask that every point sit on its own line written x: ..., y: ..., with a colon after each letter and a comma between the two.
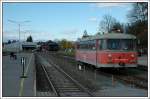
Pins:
x: 109, y: 55
x: 132, y: 55
x: 109, y: 58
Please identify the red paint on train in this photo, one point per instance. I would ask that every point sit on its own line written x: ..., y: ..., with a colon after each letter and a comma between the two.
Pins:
x: 117, y: 57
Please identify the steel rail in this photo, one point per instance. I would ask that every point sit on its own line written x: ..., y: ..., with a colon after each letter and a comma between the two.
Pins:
x: 76, y: 82
x: 49, y: 81
x: 65, y: 74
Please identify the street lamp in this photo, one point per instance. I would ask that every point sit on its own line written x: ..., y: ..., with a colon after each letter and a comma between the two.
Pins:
x: 19, y: 24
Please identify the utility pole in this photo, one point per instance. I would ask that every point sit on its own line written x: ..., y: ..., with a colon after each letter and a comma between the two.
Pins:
x: 19, y: 24
x: 19, y: 36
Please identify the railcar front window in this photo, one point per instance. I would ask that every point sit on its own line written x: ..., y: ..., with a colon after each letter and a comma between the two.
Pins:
x: 128, y: 44
x: 121, y: 44
x: 113, y: 44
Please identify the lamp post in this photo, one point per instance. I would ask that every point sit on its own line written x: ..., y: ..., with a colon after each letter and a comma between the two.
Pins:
x: 19, y: 24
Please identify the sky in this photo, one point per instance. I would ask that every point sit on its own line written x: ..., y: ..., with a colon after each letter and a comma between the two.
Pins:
x: 51, y: 21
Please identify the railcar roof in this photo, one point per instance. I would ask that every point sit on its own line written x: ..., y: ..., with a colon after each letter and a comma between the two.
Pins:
x: 110, y: 36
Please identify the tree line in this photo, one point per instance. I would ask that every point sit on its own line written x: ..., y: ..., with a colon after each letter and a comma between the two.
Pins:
x: 137, y: 25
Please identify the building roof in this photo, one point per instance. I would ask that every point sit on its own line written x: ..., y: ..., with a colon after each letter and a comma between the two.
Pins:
x: 29, y: 43
x: 110, y: 36
x: 15, y: 47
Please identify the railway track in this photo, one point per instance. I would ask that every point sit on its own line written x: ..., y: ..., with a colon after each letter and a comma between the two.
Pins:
x: 61, y: 83
x: 132, y: 80
x: 43, y: 86
x: 141, y: 67
x: 125, y: 76
x: 135, y: 81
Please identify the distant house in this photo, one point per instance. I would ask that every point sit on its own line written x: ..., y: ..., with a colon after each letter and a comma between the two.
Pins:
x: 29, y: 45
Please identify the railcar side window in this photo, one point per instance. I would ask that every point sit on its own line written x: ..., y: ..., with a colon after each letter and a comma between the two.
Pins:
x: 83, y: 45
x: 87, y: 45
x: 102, y: 44
x: 92, y: 45
x: 78, y: 46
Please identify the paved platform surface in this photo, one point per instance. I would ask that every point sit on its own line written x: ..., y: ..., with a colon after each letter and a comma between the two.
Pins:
x: 12, y: 84
x: 143, y: 60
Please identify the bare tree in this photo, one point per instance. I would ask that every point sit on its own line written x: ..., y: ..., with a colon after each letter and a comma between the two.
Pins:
x: 138, y: 22
x: 107, y: 23
x: 139, y: 12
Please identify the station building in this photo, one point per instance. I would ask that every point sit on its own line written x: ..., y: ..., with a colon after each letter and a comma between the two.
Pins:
x: 22, y: 46
x: 29, y: 46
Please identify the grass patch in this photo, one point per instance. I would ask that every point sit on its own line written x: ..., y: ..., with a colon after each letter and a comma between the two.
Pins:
x: 70, y: 53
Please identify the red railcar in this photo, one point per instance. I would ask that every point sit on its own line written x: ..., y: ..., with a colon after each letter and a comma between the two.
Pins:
x: 108, y: 50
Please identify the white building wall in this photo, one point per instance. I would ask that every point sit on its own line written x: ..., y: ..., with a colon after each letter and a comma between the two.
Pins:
x: 13, y: 47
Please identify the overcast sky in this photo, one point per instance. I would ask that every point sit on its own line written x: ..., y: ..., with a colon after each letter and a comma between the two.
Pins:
x: 49, y: 21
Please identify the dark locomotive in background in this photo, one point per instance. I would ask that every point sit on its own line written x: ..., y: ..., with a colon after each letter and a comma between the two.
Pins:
x: 49, y: 45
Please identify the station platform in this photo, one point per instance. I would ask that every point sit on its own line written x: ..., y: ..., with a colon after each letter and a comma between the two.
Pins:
x: 12, y: 83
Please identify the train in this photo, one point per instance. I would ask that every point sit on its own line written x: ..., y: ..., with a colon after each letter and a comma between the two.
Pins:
x: 49, y: 46
x: 110, y: 50
x: 53, y: 47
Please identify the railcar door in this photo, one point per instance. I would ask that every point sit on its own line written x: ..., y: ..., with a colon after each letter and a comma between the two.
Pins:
x: 101, y: 45
x: 91, y: 52
x: 96, y: 53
